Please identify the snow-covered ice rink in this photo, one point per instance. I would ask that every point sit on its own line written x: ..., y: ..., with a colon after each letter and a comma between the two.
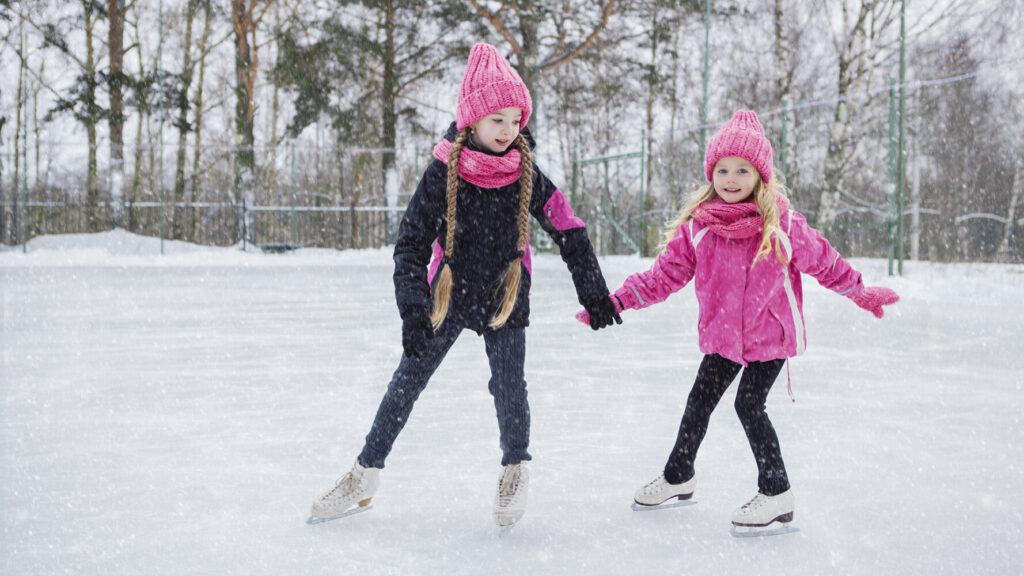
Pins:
x: 177, y: 414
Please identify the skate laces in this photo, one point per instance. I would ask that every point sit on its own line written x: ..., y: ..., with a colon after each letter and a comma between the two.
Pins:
x: 755, y: 502
x: 509, y: 481
x: 347, y: 483
x: 654, y: 485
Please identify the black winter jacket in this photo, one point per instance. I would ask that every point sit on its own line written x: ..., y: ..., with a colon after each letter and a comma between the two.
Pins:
x: 485, y: 243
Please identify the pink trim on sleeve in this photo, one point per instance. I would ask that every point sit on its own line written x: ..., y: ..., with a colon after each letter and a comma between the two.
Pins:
x: 527, y: 260
x: 560, y: 213
x: 435, y: 263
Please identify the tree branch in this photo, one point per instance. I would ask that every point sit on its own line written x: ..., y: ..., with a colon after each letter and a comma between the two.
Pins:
x: 556, y: 62
x: 495, y: 20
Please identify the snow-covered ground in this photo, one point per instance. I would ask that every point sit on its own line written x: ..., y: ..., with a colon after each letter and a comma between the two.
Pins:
x: 176, y: 414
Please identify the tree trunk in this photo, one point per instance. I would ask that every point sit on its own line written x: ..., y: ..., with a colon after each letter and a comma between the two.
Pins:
x: 91, y: 119
x: 179, y: 214
x: 1011, y: 214
x: 275, y: 111
x: 529, y: 59
x: 389, y: 118
x: 16, y: 195
x: 784, y: 78
x: 835, y: 161
x: 842, y: 138
x: 357, y: 191
x: 245, y: 77
x: 652, y: 94
x: 3, y: 209
x: 143, y: 111
x: 115, y: 37
x: 155, y: 186
x: 528, y: 64
x: 137, y: 172
x: 194, y: 213
x: 36, y: 129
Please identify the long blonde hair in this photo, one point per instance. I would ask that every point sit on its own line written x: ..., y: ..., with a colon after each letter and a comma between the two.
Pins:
x: 513, y: 275
x: 764, y: 198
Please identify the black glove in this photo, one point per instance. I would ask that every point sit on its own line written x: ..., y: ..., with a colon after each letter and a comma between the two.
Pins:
x: 416, y: 331
x: 602, y: 313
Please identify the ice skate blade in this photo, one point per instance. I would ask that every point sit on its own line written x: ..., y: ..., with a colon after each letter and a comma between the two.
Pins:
x: 350, y: 512
x: 508, y: 517
x: 503, y: 531
x: 663, y: 506
x: 773, y: 529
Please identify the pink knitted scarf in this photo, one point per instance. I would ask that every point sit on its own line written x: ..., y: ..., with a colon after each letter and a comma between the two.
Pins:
x: 482, y: 169
x: 739, y: 220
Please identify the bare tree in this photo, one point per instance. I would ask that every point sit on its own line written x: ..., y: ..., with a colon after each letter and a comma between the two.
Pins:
x: 140, y: 99
x: 204, y: 48
x: 857, y: 49
x: 22, y: 60
x: 4, y: 17
x: 791, y: 64
x: 115, y: 81
x: 181, y: 102
x: 370, y: 55
x: 519, y: 25
x: 246, y: 16
x: 1016, y: 195
x: 83, y: 100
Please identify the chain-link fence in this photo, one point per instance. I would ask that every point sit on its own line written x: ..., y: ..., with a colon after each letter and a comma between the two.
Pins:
x: 958, y: 203
x: 332, y: 198
x: 963, y: 184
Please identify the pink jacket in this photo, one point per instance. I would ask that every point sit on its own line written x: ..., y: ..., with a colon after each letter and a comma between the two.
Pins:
x: 748, y: 313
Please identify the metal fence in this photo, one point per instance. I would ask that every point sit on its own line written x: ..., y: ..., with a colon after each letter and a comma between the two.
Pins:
x: 625, y: 190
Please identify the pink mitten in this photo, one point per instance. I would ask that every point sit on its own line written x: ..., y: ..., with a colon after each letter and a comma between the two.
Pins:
x: 584, y: 317
x: 872, y: 299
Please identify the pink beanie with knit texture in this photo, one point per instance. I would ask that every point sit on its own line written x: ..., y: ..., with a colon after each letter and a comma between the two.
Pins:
x: 741, y: 136
x: 489, y: 85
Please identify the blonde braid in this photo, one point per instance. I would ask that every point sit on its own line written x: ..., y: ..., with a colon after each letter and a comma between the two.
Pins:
x: 514, y: 273
x: 443, y: 288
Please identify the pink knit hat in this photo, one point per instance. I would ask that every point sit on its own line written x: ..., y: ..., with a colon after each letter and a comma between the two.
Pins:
x: 489, y: 85
x: 742, y: 136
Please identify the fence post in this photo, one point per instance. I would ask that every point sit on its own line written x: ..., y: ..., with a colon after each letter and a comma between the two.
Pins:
x: 245, y: 231
x: 3, y: 208
x: 891, y: 237
x: 643, y: 200
x: 704, y: 101
x: 604, y: 211
x: 574, y: 169
x: 901, y: 178
x: 159, y: 63
x: 24, y: 192
x: 782, y: 144
x: 292, y: 213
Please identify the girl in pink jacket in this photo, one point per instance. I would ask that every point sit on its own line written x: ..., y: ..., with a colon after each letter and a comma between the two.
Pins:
x: 744, y: 249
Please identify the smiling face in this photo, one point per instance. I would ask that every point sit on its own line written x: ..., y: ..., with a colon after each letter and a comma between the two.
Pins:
x: 497, y: 130
x: 734, y: 179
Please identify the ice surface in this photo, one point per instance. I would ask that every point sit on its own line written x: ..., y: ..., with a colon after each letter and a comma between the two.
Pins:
x: 176, y: 414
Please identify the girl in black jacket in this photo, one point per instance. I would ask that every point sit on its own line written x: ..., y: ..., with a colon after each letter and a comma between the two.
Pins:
x: 462, y: 261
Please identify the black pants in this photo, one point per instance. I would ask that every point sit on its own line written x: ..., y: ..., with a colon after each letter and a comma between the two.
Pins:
x: 713, y: 378
x: 506, y: 353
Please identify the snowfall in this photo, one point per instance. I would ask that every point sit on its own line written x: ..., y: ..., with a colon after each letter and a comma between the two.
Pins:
x: 177, y: 413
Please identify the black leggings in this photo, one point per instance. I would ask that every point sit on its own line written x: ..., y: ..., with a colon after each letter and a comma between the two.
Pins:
x: 713, y: 378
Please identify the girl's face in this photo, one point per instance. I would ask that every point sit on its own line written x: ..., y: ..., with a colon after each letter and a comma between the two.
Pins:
x: 734, y: 179
x: 497, y: 130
